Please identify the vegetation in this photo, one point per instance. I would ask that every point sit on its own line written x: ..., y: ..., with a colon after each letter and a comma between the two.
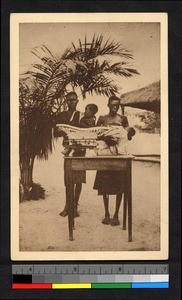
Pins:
x: 35, y: 133
x: 152, y: 123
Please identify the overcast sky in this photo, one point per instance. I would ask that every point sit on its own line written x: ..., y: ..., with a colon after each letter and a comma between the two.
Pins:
x: 142, y: 39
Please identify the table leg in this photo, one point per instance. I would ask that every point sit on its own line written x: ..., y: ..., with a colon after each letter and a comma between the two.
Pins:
x: 129, y: 201
x: 70, y: 202
x: 124, y: 210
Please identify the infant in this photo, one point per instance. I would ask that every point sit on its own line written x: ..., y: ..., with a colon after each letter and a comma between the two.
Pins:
x: 115, y: 140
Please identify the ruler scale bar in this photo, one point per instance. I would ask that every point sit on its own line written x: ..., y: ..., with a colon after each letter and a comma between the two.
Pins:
x: 92, y: 276
x: 91, y: 269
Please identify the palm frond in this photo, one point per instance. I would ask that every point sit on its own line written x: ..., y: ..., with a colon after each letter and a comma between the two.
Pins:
x: 45, y: 69
x: 48, y: 50
x: 97, y: 47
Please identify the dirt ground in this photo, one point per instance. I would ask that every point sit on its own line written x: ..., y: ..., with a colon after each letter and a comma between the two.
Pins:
x: 42, y: 229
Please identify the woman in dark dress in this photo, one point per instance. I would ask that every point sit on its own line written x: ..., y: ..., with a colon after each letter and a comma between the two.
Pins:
x: 111, y: 182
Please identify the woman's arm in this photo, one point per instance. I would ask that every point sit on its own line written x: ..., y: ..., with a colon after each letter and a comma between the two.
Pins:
x: 100, y: 121
x: 124, y: 121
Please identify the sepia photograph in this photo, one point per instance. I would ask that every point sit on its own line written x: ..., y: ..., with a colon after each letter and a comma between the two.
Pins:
x: 89, y: 136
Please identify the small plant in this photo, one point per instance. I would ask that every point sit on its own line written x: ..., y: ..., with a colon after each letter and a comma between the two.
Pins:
x: 35, y: 192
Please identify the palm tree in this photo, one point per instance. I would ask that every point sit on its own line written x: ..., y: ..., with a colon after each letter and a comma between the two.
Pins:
x: 87, y: 66
x: 35, y: 134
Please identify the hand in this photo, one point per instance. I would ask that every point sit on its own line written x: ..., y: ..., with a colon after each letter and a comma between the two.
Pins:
x: 110, y: 141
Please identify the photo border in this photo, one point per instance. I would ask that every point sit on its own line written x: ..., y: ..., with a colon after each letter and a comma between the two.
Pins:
x: 17, y: 18
x: 174, y: 11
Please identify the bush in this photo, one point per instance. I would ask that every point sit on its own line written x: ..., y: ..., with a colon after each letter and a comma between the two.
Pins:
x: 36, y: 192
x: 152, y: 122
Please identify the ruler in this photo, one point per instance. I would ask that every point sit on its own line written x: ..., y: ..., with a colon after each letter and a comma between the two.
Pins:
x: 67, y: 276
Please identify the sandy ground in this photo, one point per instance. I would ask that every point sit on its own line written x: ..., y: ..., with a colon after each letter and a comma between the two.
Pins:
x: 42, y: 229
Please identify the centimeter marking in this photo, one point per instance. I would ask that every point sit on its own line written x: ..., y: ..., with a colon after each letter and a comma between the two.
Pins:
x: 86, y: 269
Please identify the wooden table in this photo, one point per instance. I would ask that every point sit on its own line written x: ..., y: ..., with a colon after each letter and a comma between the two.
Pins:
x: 124, y: 163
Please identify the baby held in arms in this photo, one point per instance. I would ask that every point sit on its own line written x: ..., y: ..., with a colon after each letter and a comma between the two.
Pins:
x: 115, y: 140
